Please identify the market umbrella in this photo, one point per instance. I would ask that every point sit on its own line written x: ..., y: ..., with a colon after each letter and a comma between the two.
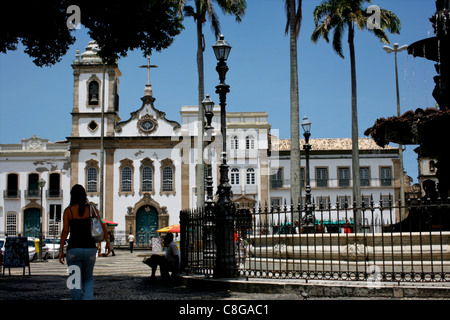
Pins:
x: 175, y: 228
x: 109, y: 223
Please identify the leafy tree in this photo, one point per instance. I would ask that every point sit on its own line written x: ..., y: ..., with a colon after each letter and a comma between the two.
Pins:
x: 200, y: 10
x: 117, y: 26
x: 339, y: 15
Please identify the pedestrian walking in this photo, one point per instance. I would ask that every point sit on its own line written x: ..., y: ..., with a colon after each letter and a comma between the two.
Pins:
x: 81, y: 250
x: 111, y: 241
x: 131, y: 241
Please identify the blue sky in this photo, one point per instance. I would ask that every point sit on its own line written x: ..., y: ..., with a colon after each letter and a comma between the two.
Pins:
x: 38, y: 101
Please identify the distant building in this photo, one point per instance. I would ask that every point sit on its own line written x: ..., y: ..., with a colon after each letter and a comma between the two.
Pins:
x: 150, y: 162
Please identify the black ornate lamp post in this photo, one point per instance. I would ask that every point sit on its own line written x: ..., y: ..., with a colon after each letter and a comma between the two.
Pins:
x: 225, y: 261
x: 309, y: 220
x: 209, y: 252
x: 41, y: 184
x: 208, y: 106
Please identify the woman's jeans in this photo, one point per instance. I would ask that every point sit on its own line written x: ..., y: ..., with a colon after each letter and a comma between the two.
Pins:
x: 81, y: 263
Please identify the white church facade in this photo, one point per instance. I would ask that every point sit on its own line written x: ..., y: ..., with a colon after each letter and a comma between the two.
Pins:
x: 149, y: 171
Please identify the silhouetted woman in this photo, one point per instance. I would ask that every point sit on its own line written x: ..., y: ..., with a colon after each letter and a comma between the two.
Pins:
x: 82, y: 249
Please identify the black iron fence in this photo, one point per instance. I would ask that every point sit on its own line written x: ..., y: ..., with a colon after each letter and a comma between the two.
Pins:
x: 272, y: 242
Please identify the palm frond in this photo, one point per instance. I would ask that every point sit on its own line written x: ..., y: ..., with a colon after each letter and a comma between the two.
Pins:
x: 189, y: 11
x: 337, y: 38
x: 390, y: 21
x: 297, y: 15
x: 215, y: 23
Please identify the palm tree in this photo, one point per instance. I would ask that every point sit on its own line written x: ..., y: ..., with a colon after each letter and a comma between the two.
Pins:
x: 200, y: 10
x: 293, y: 24
x: 346, y: 14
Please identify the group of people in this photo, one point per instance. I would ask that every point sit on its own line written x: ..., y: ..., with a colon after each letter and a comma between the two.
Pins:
x: 82, y: 249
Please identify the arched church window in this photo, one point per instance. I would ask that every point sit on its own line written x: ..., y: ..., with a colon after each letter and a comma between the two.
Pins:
x: 93, y: 93
x: 147, y: 179
x: 92, y: 175
x: 126, y: 179
x: 167, y: 179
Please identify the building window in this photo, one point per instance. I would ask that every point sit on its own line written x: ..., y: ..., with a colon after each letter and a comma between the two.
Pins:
x: 167, y: 171
x: 92, y: 179
x: 322, y: 177
x: 386, y: 201
x: 234, y: 176
x: 54, y: 189
x: 276, y: 179
x: 249, y: 143
x: 167, y: 179
x: 251, y: 176
x: 235, y: 143
x: 344, y: 177
x: 126, y: 179
x: 11, y: 224
x: 126, y: 171
x: 93, y: 126
x: 322, y: 203
x: 33, y: 186
x: 93, y: 93
x: 432, y: 165
x: 385, y: 176
x: 364, y: 177
x: 344, y: 202
x: 12, y: 187
x: 147, y: 179
x: 276, y: 203
x: 54, y: 219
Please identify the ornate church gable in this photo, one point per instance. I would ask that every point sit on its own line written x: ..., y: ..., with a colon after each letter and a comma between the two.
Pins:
x: 147, y: 121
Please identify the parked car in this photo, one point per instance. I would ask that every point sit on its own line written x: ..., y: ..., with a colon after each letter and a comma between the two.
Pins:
x: 2, y: 245
x: 53, y: 247
x: 32, y: 250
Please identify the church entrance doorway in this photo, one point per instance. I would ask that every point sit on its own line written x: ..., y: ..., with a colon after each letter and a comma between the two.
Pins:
x: 146, y: 225
x: 31, y: 222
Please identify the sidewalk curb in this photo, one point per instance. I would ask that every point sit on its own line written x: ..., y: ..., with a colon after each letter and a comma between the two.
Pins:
x: 323, y: 289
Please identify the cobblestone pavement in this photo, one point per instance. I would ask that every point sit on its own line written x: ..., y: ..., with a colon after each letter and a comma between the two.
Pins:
x: 119, y: 277
x: 124, y: 277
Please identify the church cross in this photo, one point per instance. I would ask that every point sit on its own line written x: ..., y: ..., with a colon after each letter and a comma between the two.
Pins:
x: 148, y: 66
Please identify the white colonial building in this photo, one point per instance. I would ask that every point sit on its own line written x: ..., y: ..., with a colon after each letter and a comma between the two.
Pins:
x: 149, y: 171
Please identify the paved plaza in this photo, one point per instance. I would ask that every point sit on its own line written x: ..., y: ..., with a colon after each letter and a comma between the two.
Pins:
x: 119, y: 277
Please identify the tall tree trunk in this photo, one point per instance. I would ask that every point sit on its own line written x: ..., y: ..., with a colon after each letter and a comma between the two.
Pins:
x: 355, y: 144
x: 200, y: 175
x: 295, y: 116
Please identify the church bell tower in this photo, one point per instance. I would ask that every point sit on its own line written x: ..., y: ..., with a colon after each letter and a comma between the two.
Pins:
x: 96, y: 86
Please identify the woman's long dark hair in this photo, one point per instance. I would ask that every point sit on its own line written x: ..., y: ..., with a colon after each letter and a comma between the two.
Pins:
x: 78, y: 196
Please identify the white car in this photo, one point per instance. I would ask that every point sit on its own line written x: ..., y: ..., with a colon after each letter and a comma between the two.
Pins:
x: 53, y: 247
x: 32, y: 250
x: 2, y: 246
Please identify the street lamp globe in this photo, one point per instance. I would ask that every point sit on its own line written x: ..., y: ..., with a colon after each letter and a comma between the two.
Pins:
x: 41, y: 183
x: 306, y: 125
x: 221, y: 49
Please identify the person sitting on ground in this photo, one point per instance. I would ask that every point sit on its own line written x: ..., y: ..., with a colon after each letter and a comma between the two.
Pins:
x: 167, y: 263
